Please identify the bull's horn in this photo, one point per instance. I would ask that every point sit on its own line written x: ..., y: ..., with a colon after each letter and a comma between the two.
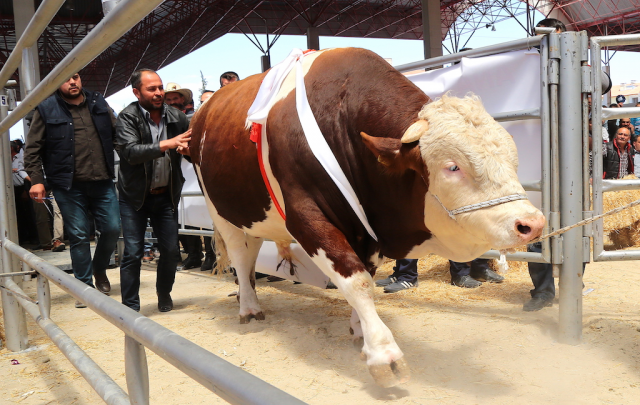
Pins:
x: 415, y: 131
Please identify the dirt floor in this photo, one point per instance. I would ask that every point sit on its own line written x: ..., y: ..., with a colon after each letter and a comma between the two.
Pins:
x: 464, y: 346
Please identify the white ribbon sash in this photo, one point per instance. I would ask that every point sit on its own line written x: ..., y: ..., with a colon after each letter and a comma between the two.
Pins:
x: 259, y: 112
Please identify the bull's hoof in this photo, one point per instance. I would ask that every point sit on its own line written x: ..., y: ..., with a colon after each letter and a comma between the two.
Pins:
x: 246, y: 318
x: 389, y: 375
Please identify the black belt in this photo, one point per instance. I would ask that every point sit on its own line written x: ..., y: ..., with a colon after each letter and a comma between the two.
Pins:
x: 159, y: 190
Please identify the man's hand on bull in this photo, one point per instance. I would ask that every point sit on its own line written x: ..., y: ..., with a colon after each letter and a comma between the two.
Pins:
x: 180, y: 141
x: 183, y: 150
x: 37, y: 192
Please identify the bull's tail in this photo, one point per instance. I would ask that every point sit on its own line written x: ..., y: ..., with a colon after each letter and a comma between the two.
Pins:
x: 222, y: 263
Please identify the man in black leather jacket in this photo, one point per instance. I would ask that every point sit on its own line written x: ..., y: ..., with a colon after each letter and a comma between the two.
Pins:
x: 151, y: 138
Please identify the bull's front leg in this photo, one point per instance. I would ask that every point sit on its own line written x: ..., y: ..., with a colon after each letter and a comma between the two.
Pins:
x: 337, y: 260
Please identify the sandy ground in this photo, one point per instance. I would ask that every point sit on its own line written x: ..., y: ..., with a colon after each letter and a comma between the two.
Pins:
x: 464, y: 346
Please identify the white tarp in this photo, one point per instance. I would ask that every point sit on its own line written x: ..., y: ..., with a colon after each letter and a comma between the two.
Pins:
x: 505, y: 82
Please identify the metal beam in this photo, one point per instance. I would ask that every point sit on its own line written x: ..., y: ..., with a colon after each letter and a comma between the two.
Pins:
x: 120, y: 20
x: 32, y: 32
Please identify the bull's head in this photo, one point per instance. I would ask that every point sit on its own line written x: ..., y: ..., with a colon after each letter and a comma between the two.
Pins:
x: 465, y: 157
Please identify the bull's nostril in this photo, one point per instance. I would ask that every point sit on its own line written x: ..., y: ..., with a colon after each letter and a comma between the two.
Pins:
x: 524, y: 229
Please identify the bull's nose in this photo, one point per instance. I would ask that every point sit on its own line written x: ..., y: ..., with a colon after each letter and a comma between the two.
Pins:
x: 529, y: 228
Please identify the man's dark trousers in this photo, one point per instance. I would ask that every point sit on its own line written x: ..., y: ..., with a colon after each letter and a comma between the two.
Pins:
x: 164, y: 220
x: 99, y: 199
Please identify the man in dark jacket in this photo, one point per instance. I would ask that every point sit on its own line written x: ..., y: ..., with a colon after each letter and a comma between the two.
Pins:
x: 151, y: 138
x: 617, y: 159
x: 71, y: 136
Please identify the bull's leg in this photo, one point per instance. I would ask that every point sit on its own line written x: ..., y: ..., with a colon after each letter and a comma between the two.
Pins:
x: 242, y: 250
x: 338, y: 261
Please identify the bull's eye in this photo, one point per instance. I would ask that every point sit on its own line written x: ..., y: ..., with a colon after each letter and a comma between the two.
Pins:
x: 454, y: 168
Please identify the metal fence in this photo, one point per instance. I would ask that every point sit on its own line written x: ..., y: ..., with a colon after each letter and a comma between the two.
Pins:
x: 564, y: 184
x: 601, y: 186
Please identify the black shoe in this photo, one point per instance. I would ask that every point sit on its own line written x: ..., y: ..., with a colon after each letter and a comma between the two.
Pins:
x: 209, y: 263
x: 165, y: 303
x: 191, y: 263
x: 399, y: 286
x: 386, y: 281
x: 102, y: 282
x: 487, y: 275
x: 465, y: 282
x: 537, y: 303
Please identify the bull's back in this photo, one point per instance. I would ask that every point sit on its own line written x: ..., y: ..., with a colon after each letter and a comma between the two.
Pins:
x: 226, y: 157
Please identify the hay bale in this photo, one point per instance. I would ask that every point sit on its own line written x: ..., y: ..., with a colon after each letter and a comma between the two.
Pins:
x: 626, y: 218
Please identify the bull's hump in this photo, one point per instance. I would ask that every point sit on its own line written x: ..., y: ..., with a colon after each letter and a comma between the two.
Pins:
x: 289, y: 83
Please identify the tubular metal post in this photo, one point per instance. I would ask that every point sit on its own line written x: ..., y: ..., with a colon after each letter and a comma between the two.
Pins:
x: 596, y: 122
x: 554, y: 195
x: 545, y: 124
x: 570, y: 90
x: 44, y: 296
x: 15, y: 322
x: 137, y: 372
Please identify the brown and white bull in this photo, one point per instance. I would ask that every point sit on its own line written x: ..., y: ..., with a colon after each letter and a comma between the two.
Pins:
x: 406, y: 159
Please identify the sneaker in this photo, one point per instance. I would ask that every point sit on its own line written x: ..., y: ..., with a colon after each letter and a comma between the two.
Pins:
x: 387, y: 281
x: 57, y: 246
x: 80, y: 305
x: 399, y: 286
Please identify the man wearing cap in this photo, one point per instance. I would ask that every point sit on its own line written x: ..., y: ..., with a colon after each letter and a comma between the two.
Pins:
x: 228, y: 78
x: 620, y: 100
x: 180, y: 98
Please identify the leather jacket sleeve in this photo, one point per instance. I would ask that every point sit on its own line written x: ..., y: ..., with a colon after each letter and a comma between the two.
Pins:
x: 133, y: 148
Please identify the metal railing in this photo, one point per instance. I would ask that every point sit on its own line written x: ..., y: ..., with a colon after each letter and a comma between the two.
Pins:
x: 599, y: 113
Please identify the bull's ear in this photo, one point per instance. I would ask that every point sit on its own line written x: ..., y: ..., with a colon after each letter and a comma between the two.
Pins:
x: 394, y: 154
x: 415, y: 131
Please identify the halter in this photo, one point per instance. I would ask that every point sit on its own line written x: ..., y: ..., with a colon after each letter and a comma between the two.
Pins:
x: 485, y: 204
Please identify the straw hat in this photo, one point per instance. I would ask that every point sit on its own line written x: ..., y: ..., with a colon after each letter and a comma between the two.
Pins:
x: 176, y: 88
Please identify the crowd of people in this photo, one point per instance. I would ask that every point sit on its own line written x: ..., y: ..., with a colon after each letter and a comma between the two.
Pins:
x: 68, y: 162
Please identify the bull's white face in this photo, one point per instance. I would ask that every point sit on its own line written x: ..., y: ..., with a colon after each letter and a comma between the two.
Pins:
x: 471, y: 159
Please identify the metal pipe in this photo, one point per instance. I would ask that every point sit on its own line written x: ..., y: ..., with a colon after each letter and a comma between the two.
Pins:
x: 618, y: 185
x: 596, y: 149
x: 554, y: 187
x: 616, y: 40
x: 100, y: 381
x: 196, y: 232
x: 15, y: 322
x: 43, y: 15
x: 229, y: 382
x: 608, y: 256
x: 137, y: 371
x: 523, y: 43
x: 517, y: 115
x: 516, y: 257
x: 570, y: 90
x: 111, y: 28
x: 532, y: 185
x: 623, y: 112
x: 545, y: 142
x: 44, y: 296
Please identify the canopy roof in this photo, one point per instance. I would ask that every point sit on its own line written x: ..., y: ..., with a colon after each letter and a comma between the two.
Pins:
x: 178, y: 27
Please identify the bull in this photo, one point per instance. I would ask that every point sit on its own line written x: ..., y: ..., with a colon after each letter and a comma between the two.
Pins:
x: 410, y: 161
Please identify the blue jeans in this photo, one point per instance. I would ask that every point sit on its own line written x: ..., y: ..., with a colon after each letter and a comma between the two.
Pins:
x: 164, y: 220
x: 474, y: 267
x: 99, y: 198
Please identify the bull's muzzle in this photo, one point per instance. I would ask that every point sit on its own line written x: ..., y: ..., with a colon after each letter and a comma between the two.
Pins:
x: 529, y: 228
